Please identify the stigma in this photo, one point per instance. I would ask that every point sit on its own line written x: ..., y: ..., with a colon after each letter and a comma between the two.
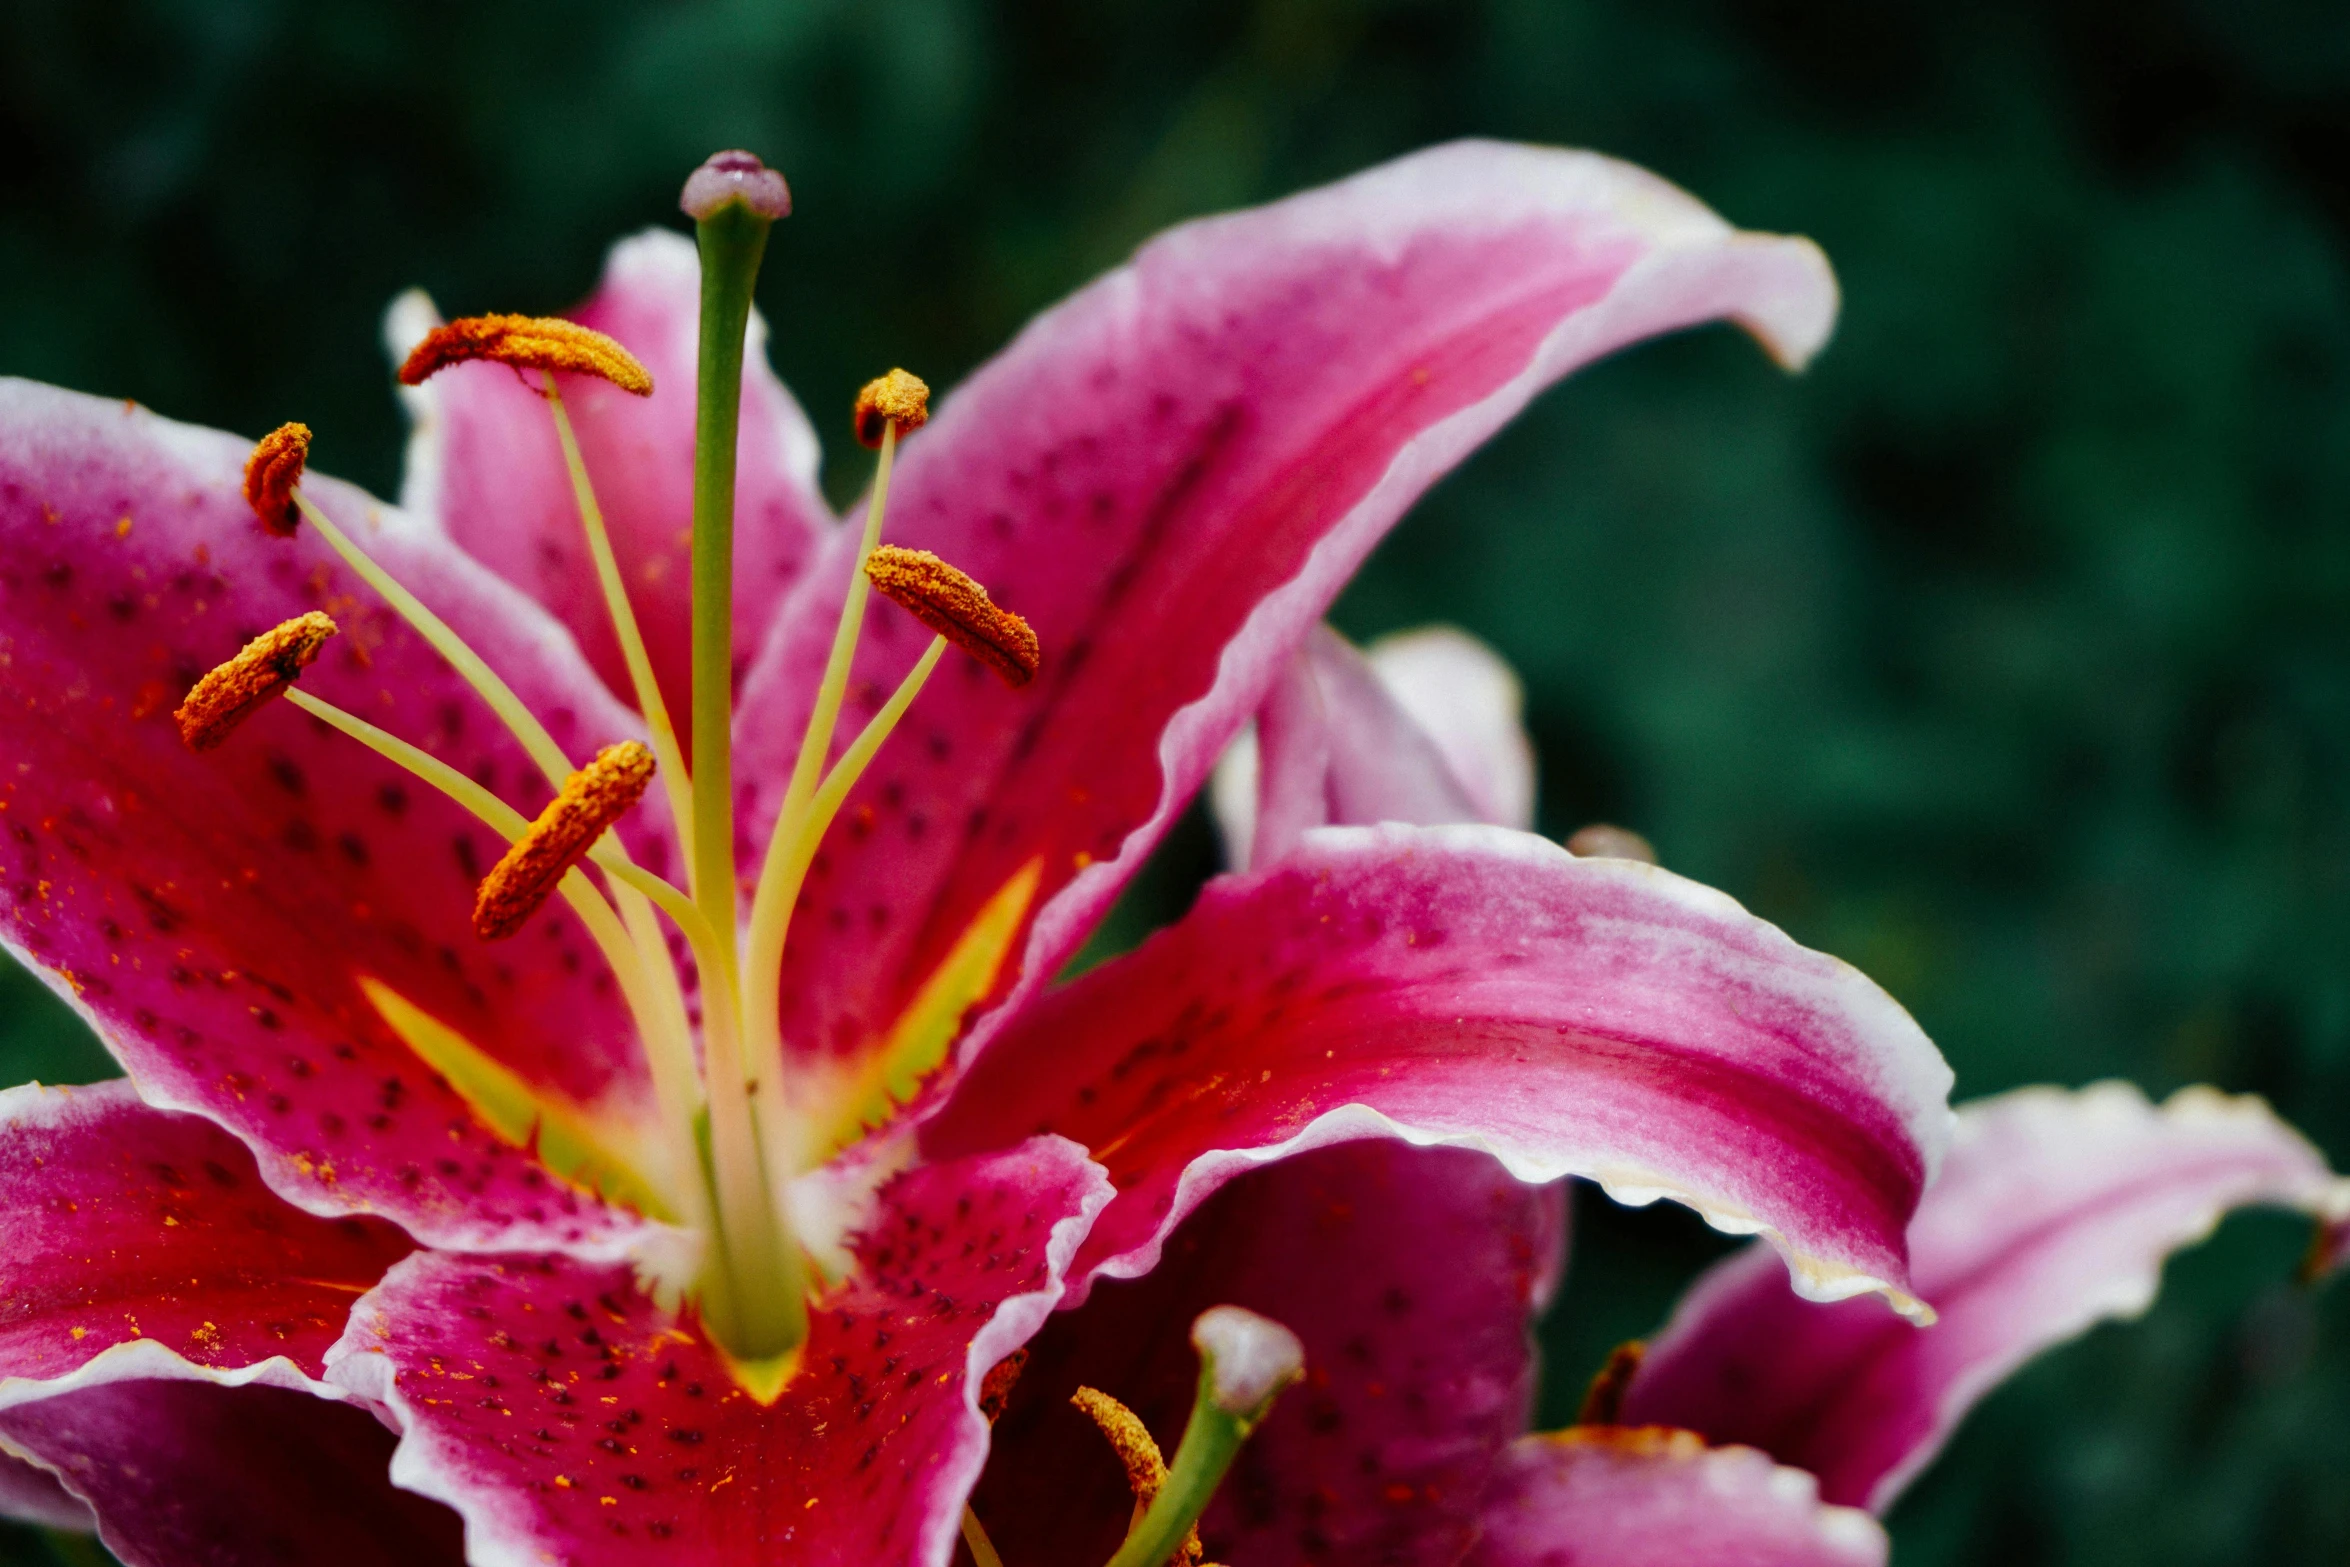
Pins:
x: 590, y: 801
x: 258, y: 675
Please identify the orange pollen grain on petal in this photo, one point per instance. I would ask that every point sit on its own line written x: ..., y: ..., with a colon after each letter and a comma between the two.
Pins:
x: 259, y: 674
x: 900, y: 398
x: 957, y: 608
x: 528, y: 343
x: 590, y: 800
x: 271, y: 474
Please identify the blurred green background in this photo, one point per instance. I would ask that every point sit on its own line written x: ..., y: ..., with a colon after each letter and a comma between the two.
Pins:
x: 2005, y: 654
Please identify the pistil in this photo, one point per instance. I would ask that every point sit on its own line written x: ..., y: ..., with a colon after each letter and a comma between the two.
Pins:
x: 733, y: 1142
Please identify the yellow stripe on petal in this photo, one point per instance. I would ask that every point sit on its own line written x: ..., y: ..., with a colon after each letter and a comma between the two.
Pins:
x: 918, y: 1041
x: 565, y: 1138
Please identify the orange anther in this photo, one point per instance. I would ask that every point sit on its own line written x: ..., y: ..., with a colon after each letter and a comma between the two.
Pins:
x: 957, y: 608
x: 259, y: 674
x: 897, y: 398
x: 590, y: 800
x: 528, y: 343
x: 271, y: 474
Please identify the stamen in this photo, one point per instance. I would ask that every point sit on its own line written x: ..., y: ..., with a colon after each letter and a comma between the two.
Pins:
x: 957, y: 608
x: 900, y: 399
x: 1603, y: 1402
x: 638, y: 957
x: 271, y: 474
x: 528, y: 343
x: 649, y: 700
x: 590, y: 801
x: 258, y: 675
x: 995, y: 1389
x: 1245, y: 1363
x: 1129, y: 1438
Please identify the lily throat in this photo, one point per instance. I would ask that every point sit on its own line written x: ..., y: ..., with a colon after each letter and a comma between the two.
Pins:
x: 735, y: 1129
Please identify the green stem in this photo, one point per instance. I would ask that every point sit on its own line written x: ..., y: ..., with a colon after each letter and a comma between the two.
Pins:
x: 756, y: 1305
x: 1231, y: 1403
x: 1211, y: 1440
x: 733, y: 241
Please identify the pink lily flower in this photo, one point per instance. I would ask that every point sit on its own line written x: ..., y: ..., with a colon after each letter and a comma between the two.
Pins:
x: 691, y: 1216
x: 1761, y: 1429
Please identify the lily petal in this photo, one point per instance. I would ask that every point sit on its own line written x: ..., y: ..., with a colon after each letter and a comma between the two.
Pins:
x: 167, y: 1315
x: 211, y: 916
x: 483, y: 460
x: 567, y: 1417
x: 1336, y: 743
x: 31, y: 1494
x: 1412, y: 1275
x: 134, y: 1229
x: 1607, y: 1496
x: 1171, y: 475
x: 2054, y: 1212
x: 1470, y: 702
x: 189, y: 1474
x: 1476, y: 986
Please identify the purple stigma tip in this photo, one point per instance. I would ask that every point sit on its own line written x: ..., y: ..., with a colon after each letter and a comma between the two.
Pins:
x: 735, y: 176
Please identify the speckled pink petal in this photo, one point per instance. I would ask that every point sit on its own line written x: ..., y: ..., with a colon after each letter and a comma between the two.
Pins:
x: 1411, y: 1274
x: 1333, y: 744
x: 1617, y: 1497
x: 164, y: 1316
x: 209, y: 914
x: 1171, y: 475
x: 126, y: 1226
x: 2055, y: 1211
x: 191, y: 1474
x: 484, y: 461
x: 1478, y: 986
x: 564, y: 1415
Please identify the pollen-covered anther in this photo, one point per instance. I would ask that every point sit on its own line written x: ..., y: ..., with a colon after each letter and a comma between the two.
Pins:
x: 1146, y: 1468
x: 957, y: 608
x: 995, y: 1389
x: 271, y: 474
x: 1603, y: 1400
x: 527, y: 343
x: 900, y: 398
x: 259, y: 673
x: 590, y: 801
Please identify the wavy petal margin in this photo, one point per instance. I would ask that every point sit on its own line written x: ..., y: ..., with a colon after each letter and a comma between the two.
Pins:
x: 2055, y: 1211
x: 163, y: 1318
x: 210, y: 916
x: 1614, y: 1496
x: 1171, y: 475
x: 1475, y: 986
x: 1413, y: 1276
x: 565, y: 1416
